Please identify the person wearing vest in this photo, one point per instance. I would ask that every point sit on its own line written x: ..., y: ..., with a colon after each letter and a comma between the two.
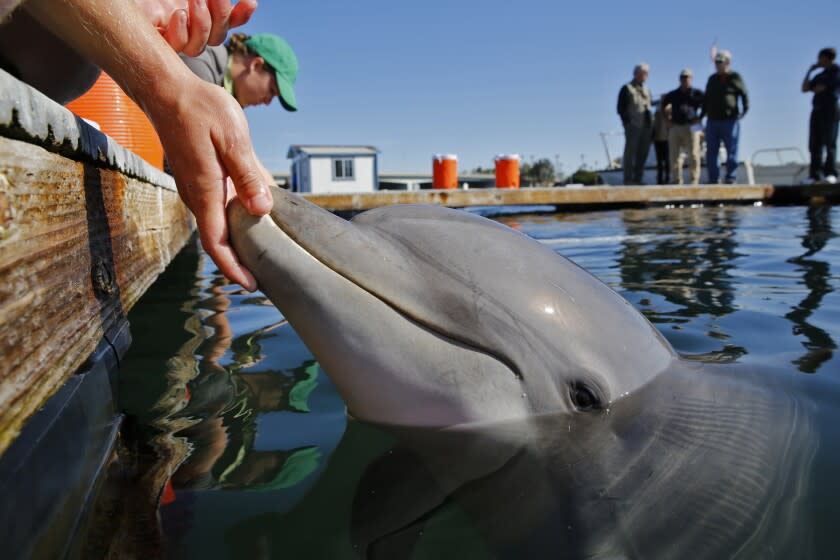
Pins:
x: 720, y: 106
x: 822, y: 133
x: 634, y: 108
x: 685, y: 104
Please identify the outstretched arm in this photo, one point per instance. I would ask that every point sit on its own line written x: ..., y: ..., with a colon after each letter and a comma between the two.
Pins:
x: 202, y: 128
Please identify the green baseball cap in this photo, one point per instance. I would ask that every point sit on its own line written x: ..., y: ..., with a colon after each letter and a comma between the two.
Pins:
x: 279, y: 55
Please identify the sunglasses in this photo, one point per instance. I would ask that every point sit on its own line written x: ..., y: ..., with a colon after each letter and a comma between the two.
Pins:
x: 720, y: 60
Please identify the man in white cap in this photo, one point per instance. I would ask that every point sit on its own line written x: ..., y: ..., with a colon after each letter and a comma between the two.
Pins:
x: 634, y: 107
x: 720, y: 106
x: 685, y: 104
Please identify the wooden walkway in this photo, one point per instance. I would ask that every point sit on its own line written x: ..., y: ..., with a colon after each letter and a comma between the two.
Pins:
x: 583, y: 198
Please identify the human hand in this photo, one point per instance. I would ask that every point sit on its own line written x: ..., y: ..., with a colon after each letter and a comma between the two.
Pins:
x: 190, y: 25
x: 206, y: 139
x: 819, y: 88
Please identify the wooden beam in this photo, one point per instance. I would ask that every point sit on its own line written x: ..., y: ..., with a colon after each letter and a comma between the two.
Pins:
x: 558, y: 196
x: 85, y: 227
x: 79, y: 245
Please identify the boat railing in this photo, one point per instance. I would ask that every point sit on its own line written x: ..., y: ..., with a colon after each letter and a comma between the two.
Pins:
x: 752, y: 163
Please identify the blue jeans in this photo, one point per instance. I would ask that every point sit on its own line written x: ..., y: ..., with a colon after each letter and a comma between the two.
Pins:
x: 725, y: 131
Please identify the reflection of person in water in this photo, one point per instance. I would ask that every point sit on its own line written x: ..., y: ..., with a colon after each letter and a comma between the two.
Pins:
x: 816, y: 275
x: 227, y: 398
x: 686, y: 258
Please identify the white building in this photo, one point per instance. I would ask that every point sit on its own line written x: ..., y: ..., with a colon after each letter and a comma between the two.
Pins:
x: 333, y: 169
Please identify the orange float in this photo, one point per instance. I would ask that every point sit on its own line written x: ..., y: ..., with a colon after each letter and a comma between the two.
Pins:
x: 120, y: 118
x: 445, y: 171
x: 507, y: 171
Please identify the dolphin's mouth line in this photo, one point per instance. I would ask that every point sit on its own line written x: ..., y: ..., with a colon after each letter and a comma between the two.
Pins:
x: 399, y: 310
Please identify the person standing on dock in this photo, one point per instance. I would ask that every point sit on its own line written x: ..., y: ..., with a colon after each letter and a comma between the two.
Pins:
x: 685, y: 104
x: 825, y: 113
x: 661, y: 119
x: 723, y: 115
x: 634, y: 108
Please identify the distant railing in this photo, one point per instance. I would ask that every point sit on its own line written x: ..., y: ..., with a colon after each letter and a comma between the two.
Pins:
x: 779, y: 152
x: 800, y: 160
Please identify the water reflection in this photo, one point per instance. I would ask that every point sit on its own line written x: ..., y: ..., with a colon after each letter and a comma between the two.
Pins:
x: 212, y: 409
x: 686, y: 257
x: 816, y: 276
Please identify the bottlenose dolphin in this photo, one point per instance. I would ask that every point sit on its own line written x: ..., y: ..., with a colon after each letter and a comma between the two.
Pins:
x: 431, y: 318
x: 426, y: 316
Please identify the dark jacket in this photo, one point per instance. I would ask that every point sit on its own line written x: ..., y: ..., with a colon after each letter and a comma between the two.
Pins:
x: 722, y: 94
x: 686, y: 106
x: 827, y: 99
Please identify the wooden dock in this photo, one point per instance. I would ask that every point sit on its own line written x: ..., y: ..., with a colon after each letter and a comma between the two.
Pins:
x: 85, y: 228
x: 582, y: 198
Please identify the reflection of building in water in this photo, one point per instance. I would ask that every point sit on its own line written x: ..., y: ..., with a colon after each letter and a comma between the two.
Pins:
x: 816, y: 275
x: 683, y: 255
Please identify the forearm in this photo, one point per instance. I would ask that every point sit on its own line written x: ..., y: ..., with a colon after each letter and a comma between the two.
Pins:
x: 806, y: 83
x: 116, y: 36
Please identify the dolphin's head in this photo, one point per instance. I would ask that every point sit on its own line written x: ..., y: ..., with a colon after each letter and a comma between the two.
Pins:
x: 429, y: 316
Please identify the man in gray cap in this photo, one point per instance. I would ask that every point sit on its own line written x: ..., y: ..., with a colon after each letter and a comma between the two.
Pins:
x: 685, y: 104
x: 634, y: 107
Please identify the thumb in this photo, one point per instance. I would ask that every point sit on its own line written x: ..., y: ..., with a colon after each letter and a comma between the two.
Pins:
x: 251, y: 188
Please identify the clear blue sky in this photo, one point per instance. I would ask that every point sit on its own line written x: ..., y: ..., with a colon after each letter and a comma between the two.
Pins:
x: 534, y: 77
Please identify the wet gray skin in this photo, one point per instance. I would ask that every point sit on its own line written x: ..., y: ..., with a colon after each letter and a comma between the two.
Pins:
x: 430, y: 318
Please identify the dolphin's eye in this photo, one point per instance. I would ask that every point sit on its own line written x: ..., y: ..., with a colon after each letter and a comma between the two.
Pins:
x: 584, y: 397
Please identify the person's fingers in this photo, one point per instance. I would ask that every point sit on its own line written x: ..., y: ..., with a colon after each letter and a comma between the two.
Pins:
x: 212, y: 227
x: 199, y: 27
x: 220, y: 11
x: 240, y: 163
x: 176, y: 32
x: 242, y: 12
x: 250, y: 183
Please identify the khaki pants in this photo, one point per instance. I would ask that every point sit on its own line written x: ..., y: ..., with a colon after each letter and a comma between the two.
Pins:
x: 682, y: 139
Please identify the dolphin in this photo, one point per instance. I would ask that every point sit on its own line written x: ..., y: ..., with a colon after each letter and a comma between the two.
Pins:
x: 428, y: 318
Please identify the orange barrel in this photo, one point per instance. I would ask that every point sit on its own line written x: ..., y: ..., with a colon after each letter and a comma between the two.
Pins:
x: 507, y: 171
x: 120, y: 118
x: 445, y: 171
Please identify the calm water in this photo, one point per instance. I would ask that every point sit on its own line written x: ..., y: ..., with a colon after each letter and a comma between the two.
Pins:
x: 222, y: 395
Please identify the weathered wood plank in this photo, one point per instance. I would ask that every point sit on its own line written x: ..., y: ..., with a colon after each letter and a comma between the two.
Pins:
x: 79, y: 245
x: 588, y: 196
